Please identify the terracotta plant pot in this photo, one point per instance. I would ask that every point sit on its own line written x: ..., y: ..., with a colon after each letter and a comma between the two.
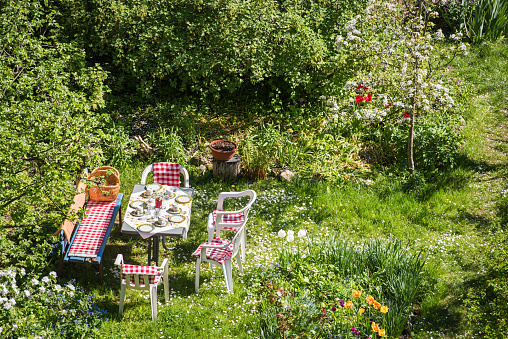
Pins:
x: 223, y: 150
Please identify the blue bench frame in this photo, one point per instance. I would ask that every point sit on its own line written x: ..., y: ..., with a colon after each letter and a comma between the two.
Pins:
x: 65, y: 245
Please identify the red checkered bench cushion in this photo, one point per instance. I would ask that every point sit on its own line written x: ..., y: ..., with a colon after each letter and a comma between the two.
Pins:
x: 150, y: 271
x: 166, y: 173
x: 91, y: 232
x: 216, y: 254
x: 236, y: 218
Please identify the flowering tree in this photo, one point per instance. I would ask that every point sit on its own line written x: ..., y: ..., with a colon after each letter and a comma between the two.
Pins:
x: 399, y: 54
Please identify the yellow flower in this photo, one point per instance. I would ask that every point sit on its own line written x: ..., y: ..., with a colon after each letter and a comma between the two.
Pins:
x: 384, y: 309
x: 357, y: 294
x: 362, y: 310
x: 233, y: 186
x: 375, y: 327
x: 376, y: 305
x: 381, y: 333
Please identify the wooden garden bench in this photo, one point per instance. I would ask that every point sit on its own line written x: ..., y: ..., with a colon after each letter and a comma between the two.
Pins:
x: 87, y: 241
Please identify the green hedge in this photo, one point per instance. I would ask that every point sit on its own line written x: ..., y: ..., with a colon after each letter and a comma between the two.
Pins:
x: 269, y: 50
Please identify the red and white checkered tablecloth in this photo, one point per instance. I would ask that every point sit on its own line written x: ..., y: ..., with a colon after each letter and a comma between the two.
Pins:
x: 166, y: 173
x: 133, y: 270
x: 91, y: 232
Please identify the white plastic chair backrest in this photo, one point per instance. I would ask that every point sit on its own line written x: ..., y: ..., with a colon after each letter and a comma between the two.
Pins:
x: 245, y: 210
x: 182, y: 169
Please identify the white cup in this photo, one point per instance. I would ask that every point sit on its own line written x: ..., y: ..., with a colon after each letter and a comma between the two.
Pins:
x: 161, y: 220
x: 174, y: 208
x: 149, y: 191
x: 139, y: 210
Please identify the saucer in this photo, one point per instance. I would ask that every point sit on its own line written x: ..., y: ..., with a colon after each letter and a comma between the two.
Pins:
x: 177, y: 218
x: 157, y: 224
x: 146, y: 228
x: 174, y: 212
x: 135, y: 214
x: 183, y: 199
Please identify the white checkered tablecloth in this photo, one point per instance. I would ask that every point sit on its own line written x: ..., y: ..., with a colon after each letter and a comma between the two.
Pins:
x: 136, y: 222
x: 93, y: 227
x: 166, y: 173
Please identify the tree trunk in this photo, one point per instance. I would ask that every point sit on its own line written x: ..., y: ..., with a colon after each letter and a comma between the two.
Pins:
x: 227, y: 170
x: 410, y: 162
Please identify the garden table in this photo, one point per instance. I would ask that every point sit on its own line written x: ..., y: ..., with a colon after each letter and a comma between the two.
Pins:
x: 140, y: 226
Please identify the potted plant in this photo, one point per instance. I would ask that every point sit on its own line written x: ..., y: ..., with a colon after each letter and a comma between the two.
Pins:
x: 223, y: 150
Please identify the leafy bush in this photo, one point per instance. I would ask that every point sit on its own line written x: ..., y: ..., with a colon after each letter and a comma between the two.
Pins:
x: 271, y: 51
x: 38, y: 306
x: 437, y: 143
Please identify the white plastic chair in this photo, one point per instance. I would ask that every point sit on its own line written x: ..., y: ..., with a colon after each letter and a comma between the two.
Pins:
x: 220, y: 252
x: 182, y: 170
x: 143, y: 278
x: 220, y: 220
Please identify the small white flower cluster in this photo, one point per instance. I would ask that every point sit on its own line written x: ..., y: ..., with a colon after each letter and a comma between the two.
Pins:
x: 290, y: 234
x: 375, y: 114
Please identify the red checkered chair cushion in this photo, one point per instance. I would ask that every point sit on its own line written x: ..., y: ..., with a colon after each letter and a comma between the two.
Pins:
x: 150, y: 271
x: 219, y: 255
x: 166, y: 173
x: 91, y: 232
x: 236, y: 218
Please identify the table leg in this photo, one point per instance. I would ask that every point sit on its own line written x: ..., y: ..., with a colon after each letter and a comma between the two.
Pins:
x: 153, y: 250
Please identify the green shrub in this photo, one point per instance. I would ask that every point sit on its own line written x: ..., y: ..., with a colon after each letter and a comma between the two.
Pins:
x: 33, y: 305
x: 436, y: 143
x: 168, y: 145
x: 489, y: 20
x: 273, y: 51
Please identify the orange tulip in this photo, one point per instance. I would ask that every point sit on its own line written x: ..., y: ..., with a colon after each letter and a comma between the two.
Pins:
x: 362, y: 310
x: 348, y: 304
x: 357, y: 294
x: 381, y: 333
x: 374, y: 326
x: 376, y: 305
x: 370, y: 299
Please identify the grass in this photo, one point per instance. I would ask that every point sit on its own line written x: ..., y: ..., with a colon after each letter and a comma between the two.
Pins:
x: 456, y: 219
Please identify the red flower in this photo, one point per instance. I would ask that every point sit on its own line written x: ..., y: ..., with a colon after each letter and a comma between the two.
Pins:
x: 359, y: 86
x: 324, y: 310
x: 406, y: 115
x: 358, y: 99
x: 389, y: 105
x: 365, y: 88
x: 368, y: 97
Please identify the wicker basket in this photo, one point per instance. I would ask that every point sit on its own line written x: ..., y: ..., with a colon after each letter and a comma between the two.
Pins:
x: 112, y: 184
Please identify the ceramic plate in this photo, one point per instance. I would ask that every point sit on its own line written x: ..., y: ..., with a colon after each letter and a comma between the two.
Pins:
x: 136, y: 203
x: 146, y: 228
x: 177, y: 218
x: 183, y: 199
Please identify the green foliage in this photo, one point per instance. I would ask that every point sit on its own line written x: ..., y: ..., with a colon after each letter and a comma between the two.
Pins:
x: 260, y: 148
x: 168, y: 145
x: 332, y: 265
x: 269, y: 51
x: 456, y: 13
x: 489, y: 20
x: 33, y: 305
x: 436, y: 146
